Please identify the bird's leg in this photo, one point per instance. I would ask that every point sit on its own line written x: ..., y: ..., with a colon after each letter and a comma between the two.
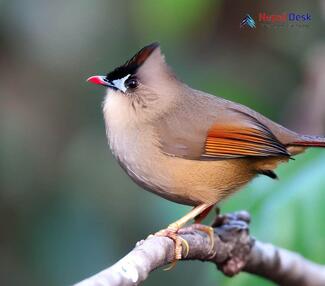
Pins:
x: 172, y: 229
x: 198, y: 219
x: 207, y: 229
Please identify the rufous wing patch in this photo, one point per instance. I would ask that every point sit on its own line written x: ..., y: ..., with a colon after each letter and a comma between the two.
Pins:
x: 231, y: 141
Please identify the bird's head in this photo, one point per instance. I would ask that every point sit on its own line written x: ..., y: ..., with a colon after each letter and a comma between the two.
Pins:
x: 144, y: 83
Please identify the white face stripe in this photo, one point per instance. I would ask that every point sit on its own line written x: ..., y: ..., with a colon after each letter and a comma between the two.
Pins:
x: 119, y: 83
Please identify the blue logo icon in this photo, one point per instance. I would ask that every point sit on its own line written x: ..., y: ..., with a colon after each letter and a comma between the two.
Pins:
x: 248, y: 21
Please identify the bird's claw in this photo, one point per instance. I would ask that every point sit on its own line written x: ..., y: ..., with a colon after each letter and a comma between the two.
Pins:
x: 180, y: 243
x: 208, y: 230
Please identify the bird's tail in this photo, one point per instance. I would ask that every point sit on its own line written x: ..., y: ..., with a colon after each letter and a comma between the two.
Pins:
x: 309, y: 141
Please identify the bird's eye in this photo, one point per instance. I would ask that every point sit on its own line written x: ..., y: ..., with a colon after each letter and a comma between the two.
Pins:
x: 131, y: 83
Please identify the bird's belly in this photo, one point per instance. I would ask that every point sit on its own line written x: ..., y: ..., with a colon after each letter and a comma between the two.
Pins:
x: 153, y: 177
x: 190, y: 182
x: 209, y: 181
x: 187, y: 181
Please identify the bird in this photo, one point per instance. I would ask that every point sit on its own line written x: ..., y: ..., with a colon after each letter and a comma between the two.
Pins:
x: 186, y: 145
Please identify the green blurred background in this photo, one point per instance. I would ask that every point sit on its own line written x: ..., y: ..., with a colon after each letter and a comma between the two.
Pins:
x: 67, y: 210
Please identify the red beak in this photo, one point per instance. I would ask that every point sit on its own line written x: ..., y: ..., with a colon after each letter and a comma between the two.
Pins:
x: 98, y: 79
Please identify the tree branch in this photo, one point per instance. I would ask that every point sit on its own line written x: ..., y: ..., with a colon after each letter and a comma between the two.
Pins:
x: 234, y: 251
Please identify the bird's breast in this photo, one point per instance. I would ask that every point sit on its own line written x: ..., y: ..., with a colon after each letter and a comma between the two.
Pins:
x: 135, y: 147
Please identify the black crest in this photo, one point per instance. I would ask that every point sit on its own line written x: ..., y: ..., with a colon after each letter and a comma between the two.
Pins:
x: 132, y: 65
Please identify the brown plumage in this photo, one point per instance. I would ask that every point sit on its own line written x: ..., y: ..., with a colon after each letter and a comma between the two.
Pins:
x: 186, y: 145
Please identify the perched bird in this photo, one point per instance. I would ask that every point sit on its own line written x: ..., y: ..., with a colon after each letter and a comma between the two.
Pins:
x: 185, y: 145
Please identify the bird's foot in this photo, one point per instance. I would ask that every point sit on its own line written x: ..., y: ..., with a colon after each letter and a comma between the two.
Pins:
x: 172, y: 232
x: 208, y: 230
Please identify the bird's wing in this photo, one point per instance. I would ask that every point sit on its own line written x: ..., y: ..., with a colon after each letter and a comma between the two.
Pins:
x: 249, y: 138
x: 227, y: 133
